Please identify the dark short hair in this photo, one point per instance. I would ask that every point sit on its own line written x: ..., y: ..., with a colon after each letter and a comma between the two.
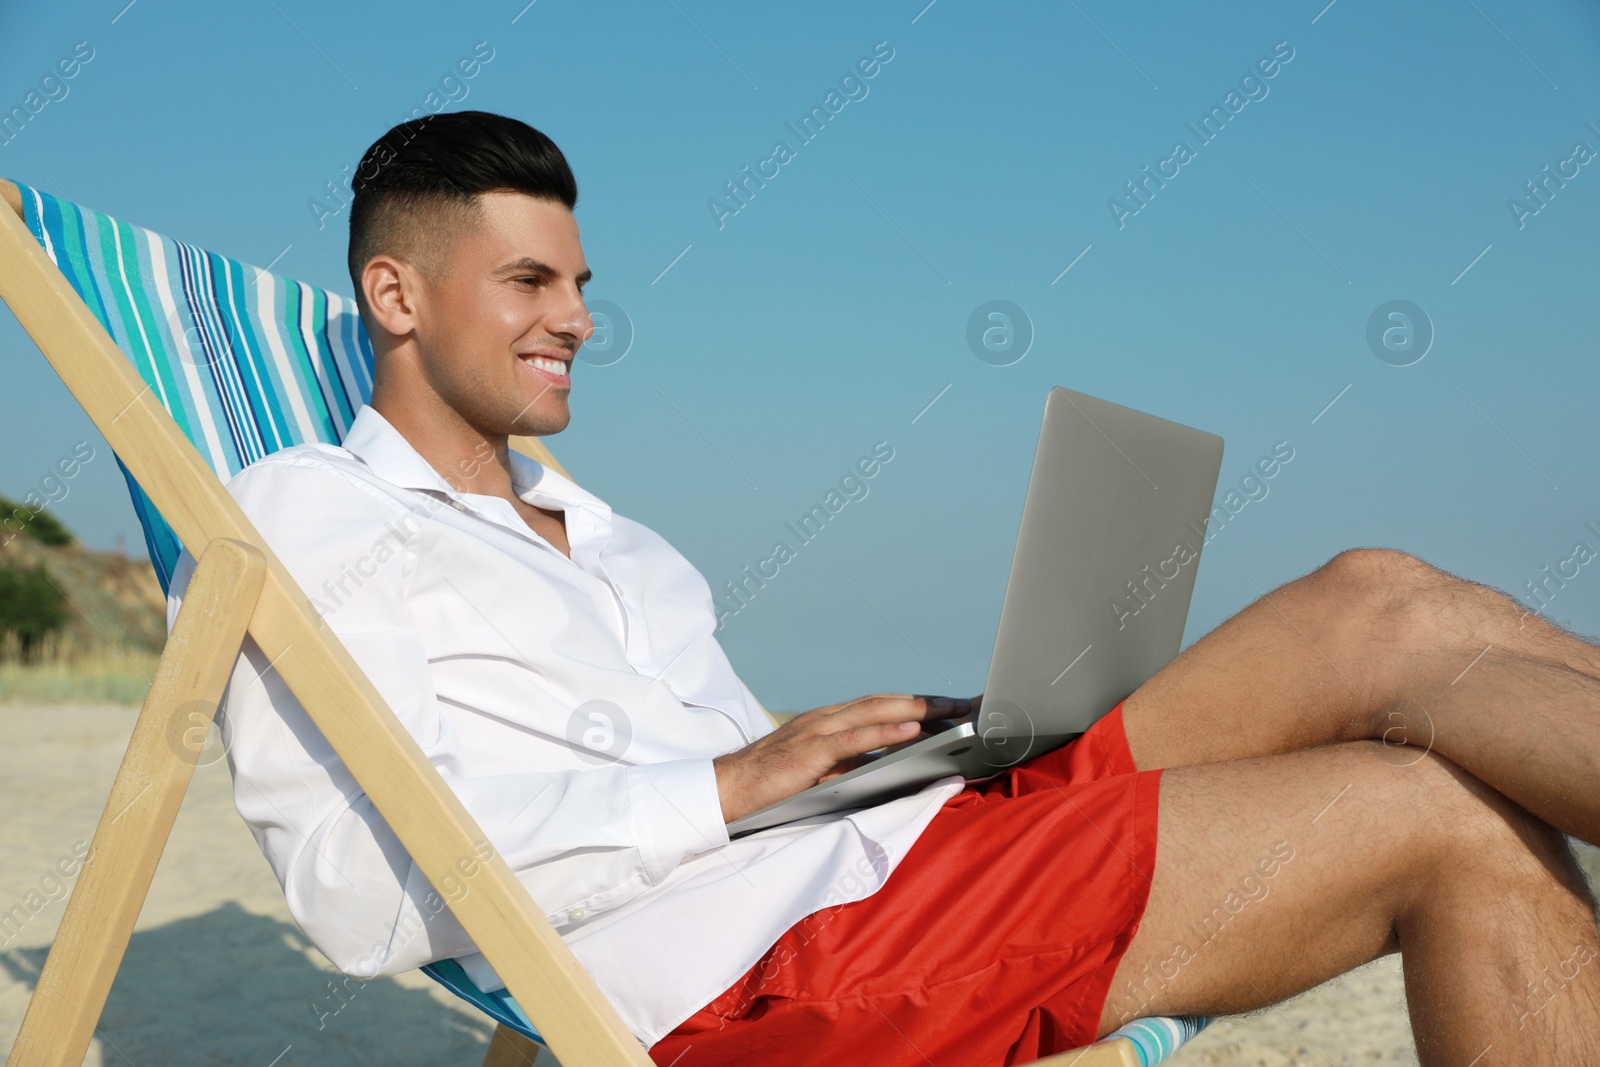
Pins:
x: 437, y: 166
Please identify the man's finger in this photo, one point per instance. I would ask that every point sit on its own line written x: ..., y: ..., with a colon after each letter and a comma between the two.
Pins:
x: 900, y: 707
x: 878, y: 708
x: 942, y: 707
x: 857, y: 740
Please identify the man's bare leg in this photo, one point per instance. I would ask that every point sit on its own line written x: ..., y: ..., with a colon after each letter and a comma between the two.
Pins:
x: 1379, y: 645
x: 1275, y: 874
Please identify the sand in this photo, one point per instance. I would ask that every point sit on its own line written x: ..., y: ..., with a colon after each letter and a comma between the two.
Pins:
x: 217, y: 972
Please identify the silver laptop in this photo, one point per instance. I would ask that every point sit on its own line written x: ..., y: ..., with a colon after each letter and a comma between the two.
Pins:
x: 1099, y: 592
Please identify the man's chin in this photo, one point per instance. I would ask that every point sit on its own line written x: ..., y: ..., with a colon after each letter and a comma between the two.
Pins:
x: 541, y: 423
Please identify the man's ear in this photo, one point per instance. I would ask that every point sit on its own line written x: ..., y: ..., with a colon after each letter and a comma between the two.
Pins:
x: 392, y: 288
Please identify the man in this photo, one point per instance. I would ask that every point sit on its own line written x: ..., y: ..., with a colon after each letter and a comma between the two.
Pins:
x: 1374, y: 757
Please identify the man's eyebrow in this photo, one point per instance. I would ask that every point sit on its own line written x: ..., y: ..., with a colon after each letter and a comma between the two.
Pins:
x: 527, y: 265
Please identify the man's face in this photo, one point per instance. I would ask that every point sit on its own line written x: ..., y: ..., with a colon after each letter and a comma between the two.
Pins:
x: 498, y: 326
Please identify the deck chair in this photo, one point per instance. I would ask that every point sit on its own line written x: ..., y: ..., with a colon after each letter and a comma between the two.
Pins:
x: 192, y: 366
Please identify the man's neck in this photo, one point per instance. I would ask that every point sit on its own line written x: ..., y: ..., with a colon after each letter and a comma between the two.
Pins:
x: 470, y: 460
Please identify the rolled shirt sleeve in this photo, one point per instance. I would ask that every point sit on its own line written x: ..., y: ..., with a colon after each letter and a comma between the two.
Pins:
x: 582, y: 841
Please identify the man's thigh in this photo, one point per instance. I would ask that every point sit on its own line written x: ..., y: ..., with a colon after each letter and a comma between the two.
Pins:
x: 1275, y: 874
x: 1315, y: 661
x: 1290, y: 671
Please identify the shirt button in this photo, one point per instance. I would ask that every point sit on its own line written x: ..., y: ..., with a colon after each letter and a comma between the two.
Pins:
x: 687, y: 856
x: 576, y: 913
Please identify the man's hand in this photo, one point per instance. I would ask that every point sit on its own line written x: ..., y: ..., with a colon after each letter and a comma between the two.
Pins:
x: 820, y: 743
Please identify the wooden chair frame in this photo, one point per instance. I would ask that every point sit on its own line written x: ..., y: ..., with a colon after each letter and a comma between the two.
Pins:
x: 240, y: 588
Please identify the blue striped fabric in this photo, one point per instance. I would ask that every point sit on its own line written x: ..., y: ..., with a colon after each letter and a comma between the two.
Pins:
x: 1157, y: 1038
x: 246, y: 362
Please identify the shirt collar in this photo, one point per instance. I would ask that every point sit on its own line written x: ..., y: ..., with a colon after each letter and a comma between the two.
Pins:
x: 385, y: 450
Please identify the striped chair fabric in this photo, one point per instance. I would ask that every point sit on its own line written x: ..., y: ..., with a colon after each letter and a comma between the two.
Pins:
x: 1157, y: 1038
x: 248, y: 362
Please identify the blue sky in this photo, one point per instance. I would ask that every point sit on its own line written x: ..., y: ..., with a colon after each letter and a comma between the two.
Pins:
x: 773, y: 347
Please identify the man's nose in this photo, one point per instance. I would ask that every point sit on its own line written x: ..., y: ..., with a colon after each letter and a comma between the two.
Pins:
x: 573, y: 318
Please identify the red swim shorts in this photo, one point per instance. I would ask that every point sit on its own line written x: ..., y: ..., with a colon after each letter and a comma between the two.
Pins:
x: 994, y: 941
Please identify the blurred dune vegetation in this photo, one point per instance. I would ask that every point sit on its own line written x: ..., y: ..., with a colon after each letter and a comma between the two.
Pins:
x: 75, y: 624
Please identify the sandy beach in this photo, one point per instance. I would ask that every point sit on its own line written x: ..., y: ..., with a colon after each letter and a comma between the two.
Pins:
x: 217, y: 973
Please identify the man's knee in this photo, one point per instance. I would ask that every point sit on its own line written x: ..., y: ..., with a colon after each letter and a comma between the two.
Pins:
x: 1394, y: 600
x: 1385, y: 574
x: 1455, y: 826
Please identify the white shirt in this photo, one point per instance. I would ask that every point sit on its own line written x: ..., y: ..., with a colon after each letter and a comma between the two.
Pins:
x: 574, y: 705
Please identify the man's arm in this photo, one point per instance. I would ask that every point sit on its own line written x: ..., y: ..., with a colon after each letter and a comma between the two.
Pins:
x: 582, y: 841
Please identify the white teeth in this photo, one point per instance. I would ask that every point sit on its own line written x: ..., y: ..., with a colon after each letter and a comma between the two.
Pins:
x: 554, y: 366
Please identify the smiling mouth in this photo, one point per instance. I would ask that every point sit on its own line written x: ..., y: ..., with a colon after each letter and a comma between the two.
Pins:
x: 557, y: 372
